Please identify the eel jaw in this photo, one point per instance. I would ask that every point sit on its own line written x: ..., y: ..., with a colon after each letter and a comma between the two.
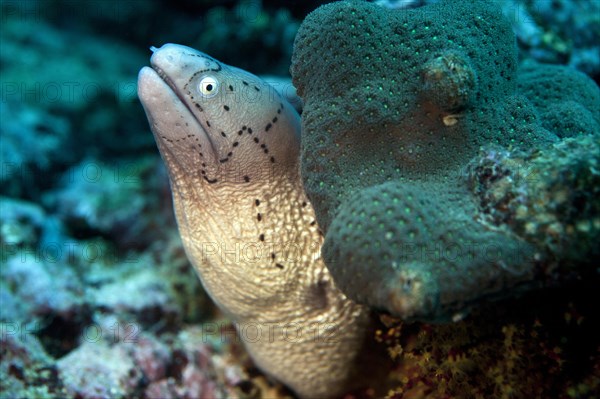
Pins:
x: 181, y: 139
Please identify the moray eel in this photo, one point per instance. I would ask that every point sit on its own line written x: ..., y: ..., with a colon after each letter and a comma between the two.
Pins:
x: 231, y: 146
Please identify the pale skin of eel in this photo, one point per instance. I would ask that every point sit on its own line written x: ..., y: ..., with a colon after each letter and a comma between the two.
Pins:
x: 231, y: 146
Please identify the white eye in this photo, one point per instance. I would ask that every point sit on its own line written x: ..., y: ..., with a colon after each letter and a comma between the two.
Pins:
x: 208, y: 87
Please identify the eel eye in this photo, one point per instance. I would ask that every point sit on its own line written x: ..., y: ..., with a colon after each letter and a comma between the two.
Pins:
x: 208, y: 87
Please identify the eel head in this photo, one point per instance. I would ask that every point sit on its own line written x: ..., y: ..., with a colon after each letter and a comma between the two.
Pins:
x: 216, y: 124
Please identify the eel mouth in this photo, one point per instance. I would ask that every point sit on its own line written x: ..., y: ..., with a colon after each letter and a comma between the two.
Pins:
x: 163, y: 75
x: 177, y: 93
x: 174, y: 126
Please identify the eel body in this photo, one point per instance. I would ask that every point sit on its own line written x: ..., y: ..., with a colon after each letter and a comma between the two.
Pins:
x: 231, y: 146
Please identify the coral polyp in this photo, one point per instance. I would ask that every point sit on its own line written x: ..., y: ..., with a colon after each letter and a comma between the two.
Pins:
x: 449, y: 81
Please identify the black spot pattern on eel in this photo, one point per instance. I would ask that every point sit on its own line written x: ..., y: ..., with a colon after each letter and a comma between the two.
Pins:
x: 235, y: 144
x: 241, y: 131
x: 193, y: 146
x: 274, y: 119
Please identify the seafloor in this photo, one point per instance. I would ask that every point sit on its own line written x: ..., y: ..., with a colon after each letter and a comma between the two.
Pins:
x: 97, y: 298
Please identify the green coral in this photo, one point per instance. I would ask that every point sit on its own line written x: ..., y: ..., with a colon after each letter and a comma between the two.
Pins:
x: 397, y: 105
x: 568, y: 104
x: 395, y: 255
x: 372, y: 116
